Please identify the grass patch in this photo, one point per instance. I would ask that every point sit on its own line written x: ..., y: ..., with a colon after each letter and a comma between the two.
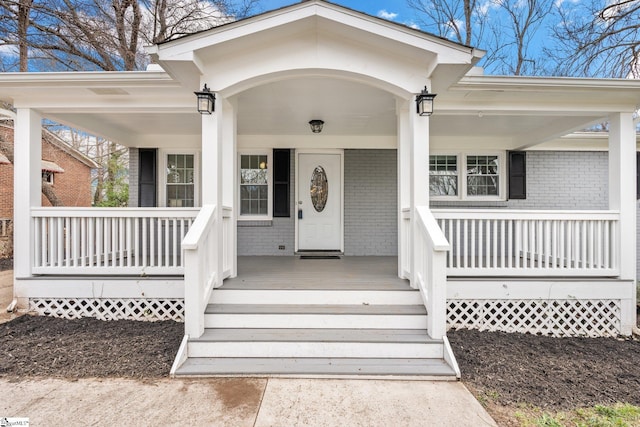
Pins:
x: 618, y: 415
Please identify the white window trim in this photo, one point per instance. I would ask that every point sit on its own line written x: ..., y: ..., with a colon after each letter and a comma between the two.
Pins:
x: 256, y: 152
x: 162, y: 175
x: 462, y: 175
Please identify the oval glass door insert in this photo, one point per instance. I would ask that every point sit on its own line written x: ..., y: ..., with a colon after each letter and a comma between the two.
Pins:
x: 319, y: 188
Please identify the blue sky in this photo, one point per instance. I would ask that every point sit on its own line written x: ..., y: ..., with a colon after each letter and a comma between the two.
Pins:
x: 396, y: 10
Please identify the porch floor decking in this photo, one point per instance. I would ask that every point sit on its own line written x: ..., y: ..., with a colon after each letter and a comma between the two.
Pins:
x: 289, y: 272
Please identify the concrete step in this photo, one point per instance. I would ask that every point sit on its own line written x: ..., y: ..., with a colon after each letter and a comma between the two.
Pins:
x: 341, y: 343
x: 316, y: 296
x: 326, y: 316
x: 318, y: 367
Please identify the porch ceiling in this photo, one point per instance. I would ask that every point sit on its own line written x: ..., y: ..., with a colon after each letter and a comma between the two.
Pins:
x: 285, y: 108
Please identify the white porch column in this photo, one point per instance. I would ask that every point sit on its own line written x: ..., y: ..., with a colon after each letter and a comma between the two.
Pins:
x: 405, y: 240
x: 27, y: 184
x: 622, y: 176
x: 419, y: 181
x: 229, y: 180
x: 212, y: 175
x: 413, y: 180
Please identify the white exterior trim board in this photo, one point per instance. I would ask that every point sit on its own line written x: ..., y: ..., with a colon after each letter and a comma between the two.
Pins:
x: 538, y: 289
x: 73, y: 287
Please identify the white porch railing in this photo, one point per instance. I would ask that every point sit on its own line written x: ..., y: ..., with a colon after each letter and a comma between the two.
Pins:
x: 109, y: 240
x: 430, y: 276
x: 201, y: 255
x: 530, y: 243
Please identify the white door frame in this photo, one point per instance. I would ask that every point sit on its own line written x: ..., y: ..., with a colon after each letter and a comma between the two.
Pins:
x: 297, y: 187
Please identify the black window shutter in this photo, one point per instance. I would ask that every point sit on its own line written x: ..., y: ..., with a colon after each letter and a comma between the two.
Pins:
x: 147, y: 177
x: 637, y: 176
x: 281, y: 168
x: 517, y: 174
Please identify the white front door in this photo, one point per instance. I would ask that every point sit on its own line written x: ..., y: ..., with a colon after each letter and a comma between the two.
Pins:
x: 319, y: 189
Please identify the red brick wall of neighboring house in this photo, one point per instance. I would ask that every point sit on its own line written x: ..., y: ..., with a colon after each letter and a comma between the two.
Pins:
x: 73, y: 186
x: 6, y: 179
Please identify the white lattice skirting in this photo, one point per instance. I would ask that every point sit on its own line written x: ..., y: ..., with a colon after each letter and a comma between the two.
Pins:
x: 109, y: 308
x: 559, y: 318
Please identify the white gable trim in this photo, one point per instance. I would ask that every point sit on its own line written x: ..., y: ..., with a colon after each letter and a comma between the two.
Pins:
x: 447, y: 51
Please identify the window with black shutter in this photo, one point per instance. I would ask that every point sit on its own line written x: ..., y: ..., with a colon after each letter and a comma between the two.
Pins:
x: 517, y: 175
x: 147, y: 178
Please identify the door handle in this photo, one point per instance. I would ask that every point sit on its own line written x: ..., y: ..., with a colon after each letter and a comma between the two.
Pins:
x: 299, y: 213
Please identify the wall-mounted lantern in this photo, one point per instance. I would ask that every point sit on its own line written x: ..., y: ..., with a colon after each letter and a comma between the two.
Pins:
x: 206, y: 100
x: 424, y: 102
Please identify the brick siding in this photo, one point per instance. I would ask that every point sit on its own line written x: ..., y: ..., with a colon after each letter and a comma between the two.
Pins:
x: 370, y: 202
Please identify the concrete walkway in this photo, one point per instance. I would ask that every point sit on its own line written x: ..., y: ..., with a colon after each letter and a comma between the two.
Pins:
x: 241, y: 402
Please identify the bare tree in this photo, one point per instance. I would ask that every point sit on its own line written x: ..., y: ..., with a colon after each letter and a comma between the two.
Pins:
x: 24, y: 10
x: 105, y: 34
x: 459, y: 20
x: 598, y: 38
x: 511, y: 41
x: 505, y: 28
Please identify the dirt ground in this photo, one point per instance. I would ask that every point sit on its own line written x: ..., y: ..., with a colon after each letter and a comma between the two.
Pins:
x: 33, y: 346
x: 550, y: 373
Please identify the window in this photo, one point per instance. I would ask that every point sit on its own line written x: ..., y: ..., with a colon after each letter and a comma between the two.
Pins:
x: 180, y: 184
x: 443, y: 175
x: 466, y: 176
x: 47, y: 176
x: 483, y: 176
x: 255, y: 183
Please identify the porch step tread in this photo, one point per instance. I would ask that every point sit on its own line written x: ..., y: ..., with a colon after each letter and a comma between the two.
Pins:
x: 316, y: 335
x: 321, y: 284
x: 316, y: 367
x: 310, y: 309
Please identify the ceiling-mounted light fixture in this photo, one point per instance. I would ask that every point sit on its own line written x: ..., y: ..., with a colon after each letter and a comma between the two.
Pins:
x: 424, y: 102
x: 206, y: 100
x: 316, y: 125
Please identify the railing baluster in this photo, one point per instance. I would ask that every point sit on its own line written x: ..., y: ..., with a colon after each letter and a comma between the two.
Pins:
x: 472, y: 258
x: 465, y: 257
x: 503, y: 238
x: 175, y: 245
x: 487, y: 243
x: 606, y: 245
x: 481, y: 256
x: 584, y: 245
x: 495, y: 243
x: 510, y: 243
x: 591, y: 248
x: 458, y: 243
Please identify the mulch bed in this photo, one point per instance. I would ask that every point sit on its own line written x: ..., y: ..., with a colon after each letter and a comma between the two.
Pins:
x: 550, y: 373
x: 511, y: 369
x: 82, y: 348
